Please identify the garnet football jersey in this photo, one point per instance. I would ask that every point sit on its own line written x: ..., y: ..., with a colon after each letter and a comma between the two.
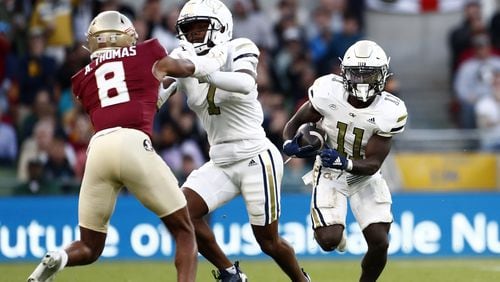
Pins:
x: 118, y: 87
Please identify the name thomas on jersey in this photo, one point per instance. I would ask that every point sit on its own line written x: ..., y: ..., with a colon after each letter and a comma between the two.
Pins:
x: 112, y: 54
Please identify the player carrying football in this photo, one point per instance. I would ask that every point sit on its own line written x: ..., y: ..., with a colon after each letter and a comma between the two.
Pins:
x: 242, y: 160
x: 359, y: 118
x: 119, y: 90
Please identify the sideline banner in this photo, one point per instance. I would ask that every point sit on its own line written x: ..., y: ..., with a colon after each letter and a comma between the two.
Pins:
x: 447, y: 171
x: 425, y: 225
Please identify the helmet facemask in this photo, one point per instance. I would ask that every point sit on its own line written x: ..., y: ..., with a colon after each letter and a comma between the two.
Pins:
x: 364, y: 82
x: 185, y: 28
x: 365, y: 69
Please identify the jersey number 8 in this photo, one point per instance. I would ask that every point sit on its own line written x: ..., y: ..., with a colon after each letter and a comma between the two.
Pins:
x: 116, y: 81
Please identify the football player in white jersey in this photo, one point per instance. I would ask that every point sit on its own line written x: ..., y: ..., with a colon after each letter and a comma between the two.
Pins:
x: 359, y: 119
x: 242, y: 159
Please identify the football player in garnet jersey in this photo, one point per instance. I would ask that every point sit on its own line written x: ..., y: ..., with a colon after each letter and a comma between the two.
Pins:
x: 242, y: 159
x: 359, y: 118
x: 119, y: 91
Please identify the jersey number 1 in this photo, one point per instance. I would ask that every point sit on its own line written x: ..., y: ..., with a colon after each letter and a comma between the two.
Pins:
x: 112, y: 76
x: 212, y: 108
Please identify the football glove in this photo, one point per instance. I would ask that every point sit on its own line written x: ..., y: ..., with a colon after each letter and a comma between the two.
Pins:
x: 184, y: 51
x: 213, y: 61
x: 187, y: 47
x: 293, y: 149
x: 331, y: 158
x: 165, y: 93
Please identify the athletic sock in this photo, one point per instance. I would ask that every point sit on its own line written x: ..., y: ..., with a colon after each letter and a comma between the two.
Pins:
x: 64, y: 259
x: 232, y: 269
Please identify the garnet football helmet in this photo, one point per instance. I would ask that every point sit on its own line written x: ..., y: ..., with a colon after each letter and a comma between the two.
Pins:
x: 365, y: 69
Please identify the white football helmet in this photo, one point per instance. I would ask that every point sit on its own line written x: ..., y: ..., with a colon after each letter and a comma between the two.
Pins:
x: 220, y: 19
x: 365, y: 69
x: 110, y: 30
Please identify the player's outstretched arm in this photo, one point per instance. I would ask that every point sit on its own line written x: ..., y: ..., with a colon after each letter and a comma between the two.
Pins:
x: 191, y: 64
x: 173, y: 67
x: 241, y: 81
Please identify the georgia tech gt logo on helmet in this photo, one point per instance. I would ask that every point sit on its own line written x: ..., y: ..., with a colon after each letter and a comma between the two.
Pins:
x: 110, y: 30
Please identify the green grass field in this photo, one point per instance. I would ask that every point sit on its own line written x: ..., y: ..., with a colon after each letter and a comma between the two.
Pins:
x: 479, y: 270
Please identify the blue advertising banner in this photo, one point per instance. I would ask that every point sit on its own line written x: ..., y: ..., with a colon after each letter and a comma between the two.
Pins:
x: 435, y: 225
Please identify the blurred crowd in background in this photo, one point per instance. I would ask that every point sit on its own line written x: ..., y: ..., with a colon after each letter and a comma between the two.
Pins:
x: 44, y: 134
x: 475, y: 73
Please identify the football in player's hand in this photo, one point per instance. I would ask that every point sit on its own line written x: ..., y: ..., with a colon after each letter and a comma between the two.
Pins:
x: 312, y: 135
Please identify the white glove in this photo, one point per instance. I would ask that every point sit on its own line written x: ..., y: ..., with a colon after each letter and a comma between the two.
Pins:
x: 176, y: 53
x: 184, y: 51
x: 187, y: 47
x: 212, y: 61
x: 165, y: 93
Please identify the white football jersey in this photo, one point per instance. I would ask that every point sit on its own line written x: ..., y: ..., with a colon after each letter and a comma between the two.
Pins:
x: 233, y: 121
x: 348, y: 128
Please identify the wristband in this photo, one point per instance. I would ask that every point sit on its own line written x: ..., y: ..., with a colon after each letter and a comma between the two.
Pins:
x: 349, y: 165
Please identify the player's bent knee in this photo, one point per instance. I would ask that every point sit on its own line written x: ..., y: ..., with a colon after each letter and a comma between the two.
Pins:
x: 95, y: 257
x: 195, y: 204
x: 326, y: 245
x: 178, y: 222
x: 267, y: 246
x: 379, y: 245
x: 328, y: 241
x: 90, y: 255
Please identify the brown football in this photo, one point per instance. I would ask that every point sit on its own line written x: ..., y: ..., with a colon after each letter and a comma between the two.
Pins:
x: 311, y: 135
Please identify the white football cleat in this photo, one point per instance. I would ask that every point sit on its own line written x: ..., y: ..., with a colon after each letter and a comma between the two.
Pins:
x: 46, y: 270
x: 306, y: 275
x: 226, y: 276
x: 342, y: 247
